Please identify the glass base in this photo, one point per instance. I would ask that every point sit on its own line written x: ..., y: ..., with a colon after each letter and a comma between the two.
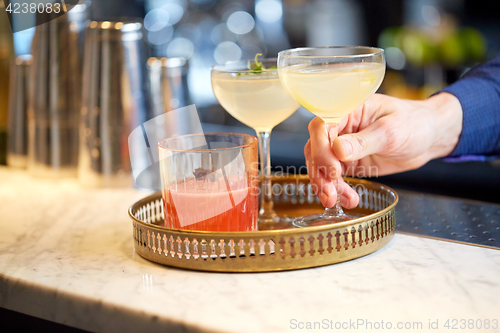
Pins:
x: 314, y: 220
x: 276, y: 223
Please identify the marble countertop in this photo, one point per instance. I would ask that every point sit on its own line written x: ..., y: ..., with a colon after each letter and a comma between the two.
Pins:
x: 66, y: 255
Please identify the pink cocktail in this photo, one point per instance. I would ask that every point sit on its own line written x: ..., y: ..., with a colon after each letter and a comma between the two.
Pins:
x: 210, y: 189
x: 211, y: 207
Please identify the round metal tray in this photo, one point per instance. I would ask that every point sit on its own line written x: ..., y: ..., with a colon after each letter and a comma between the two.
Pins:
x: 270, y: 250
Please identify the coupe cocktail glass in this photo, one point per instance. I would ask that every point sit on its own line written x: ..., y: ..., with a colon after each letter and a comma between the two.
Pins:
x: 331, y: 82
x: 257, y: 99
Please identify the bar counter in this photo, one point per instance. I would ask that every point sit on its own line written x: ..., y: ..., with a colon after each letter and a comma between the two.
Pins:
x: 67, y: 256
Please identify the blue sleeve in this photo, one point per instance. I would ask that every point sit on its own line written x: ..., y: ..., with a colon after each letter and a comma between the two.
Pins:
x: 479, y: 94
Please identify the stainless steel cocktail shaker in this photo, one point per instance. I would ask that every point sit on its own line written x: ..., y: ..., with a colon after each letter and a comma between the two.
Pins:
x: 115, y: 101
x: 53, y: 115
x: 169, y: 86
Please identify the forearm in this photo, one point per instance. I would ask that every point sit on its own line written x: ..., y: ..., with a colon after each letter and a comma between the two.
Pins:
x: 478, y: 92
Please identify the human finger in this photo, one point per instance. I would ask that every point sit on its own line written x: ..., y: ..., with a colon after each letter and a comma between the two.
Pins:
x: 348, y: 197
x: 321, y: 150
x: 321, y: 186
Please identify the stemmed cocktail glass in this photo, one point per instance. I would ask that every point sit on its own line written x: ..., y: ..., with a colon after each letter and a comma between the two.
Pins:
x: 253, y: 94
x: 331, y: 82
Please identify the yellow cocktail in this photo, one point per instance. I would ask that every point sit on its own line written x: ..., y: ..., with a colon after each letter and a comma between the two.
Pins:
x: 253, y: 94
x: 331, y: 82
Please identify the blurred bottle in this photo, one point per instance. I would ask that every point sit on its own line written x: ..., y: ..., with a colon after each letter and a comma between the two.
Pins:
x: 55, y: 95
x: 17, y: 148
x: 6, y: 55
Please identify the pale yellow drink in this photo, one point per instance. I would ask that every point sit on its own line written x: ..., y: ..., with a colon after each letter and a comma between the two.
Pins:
x: 256, y: 99
x: 332, y: 91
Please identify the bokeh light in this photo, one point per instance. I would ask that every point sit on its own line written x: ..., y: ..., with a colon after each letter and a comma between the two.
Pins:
x: 175, y: 12
x: 431, y: 15
x: 227, y: 51
x: 180, y: 47
x: 162, y: 36
x: 240, y: 22
x: 395, y: 58
x: 269, y: 10
x: 156, y: 19
x: 221, y: 33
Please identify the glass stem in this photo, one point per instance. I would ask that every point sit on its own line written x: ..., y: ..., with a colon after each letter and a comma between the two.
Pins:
x: 337, y: 209
x: 266, y: 212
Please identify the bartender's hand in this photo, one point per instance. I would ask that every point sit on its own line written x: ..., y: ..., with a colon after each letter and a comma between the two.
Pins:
x: 385, y: 135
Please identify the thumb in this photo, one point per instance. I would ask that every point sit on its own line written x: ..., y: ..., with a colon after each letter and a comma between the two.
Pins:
x: 352, y: 147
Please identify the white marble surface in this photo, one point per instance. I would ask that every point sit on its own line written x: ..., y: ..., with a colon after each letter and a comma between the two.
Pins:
x: 66, y: 255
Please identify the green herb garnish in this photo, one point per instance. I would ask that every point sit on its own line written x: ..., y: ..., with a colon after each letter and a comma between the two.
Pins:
x: 257, y: 67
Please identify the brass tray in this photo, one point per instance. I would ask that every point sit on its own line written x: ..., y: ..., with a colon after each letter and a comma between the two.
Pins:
x: 270, y: 250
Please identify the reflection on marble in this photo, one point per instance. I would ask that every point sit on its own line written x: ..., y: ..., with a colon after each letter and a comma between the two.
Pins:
x: 66, y: 255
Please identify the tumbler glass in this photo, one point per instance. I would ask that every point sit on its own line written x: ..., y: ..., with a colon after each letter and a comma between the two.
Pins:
x: 210, y: 182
